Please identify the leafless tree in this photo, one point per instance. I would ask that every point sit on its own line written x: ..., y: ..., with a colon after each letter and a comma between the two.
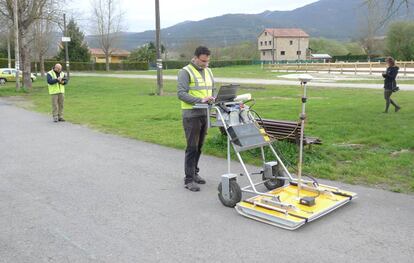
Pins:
x: 370, y: 26
x: 391, y: 7
x: 107, y: 25
x: 6, y: 36
x: 29, y: 11
x: 42, y: 31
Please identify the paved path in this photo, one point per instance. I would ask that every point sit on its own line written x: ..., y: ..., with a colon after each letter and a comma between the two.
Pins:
x: 71, y: 194
x: 252, y: 81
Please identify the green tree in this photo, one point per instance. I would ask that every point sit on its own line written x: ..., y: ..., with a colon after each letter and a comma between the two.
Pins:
x: 147, y: 52
x: 77, y: 48
x: 400, y: 40
x: 354, y: 48
x: 242, y: 50
x: 327, y: 46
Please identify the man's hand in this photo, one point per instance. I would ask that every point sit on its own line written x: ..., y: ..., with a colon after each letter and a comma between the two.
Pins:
x: 208, y: 99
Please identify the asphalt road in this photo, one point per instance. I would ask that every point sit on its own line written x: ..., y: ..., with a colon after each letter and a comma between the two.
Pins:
x: 71, y: 194
x: 314, y: 83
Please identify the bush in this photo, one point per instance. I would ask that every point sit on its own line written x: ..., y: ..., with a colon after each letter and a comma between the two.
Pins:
x: 4, y: 63
x: 355, y: 58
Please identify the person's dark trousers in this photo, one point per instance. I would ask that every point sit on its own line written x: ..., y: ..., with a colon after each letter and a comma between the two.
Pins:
x: 195, y: 129
x: 388, y: 100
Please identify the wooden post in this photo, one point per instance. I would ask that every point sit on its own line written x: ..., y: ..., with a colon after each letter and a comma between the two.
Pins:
x: 160, y: 88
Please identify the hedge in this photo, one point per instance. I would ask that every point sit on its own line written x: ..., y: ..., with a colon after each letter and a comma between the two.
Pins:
x: 170, y: 64
x: 355, y: 58
x: 85, y: 66
x: 176, y: 64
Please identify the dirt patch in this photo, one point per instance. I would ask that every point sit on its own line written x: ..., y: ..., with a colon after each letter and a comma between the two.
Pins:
x: 251, y: 88
x: 402, y: 151
x: 349, y: 145
x: 20, y: 101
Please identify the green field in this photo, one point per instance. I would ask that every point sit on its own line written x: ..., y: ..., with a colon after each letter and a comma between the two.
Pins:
x: 256, y: 72
x: 361, y: 145
x: 244, y: 71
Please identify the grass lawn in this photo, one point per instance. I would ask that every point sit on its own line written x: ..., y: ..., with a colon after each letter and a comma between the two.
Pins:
x: 361, y: 145
x: 247, y: 71
x: 244, y: 71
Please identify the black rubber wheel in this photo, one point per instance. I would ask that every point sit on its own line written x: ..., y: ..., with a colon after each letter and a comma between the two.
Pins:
x: 235, y: 194
x: 223, y: 131
x: 272, y: 184
x: 2, y: 81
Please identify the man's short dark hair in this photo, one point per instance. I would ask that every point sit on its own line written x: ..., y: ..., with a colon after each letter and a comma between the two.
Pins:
x: 201, y: 50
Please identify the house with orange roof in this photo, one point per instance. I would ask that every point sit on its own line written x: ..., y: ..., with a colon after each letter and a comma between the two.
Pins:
x: 117, y: 55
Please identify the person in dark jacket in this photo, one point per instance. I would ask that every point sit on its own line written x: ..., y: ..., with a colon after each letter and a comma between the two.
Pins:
x: 390, y: 84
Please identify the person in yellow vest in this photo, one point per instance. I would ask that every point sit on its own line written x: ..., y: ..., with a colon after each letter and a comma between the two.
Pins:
x: 56, y: 81
x: 195, y: 85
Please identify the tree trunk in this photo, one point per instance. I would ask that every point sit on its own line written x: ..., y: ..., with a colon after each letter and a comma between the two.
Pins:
x: 26, y: 61
x: 107, y: 62
x: 42, y: 65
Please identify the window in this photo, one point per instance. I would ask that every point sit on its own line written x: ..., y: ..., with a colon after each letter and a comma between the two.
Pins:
x: 291, y: 42
x: 6, y: 72
x: 270, y: 42
x: 265, y: 33
x: 264, y: 53
x: 299, y: 52
x: 282, y: 53
x: 265, y: 43
x: 261, y: 43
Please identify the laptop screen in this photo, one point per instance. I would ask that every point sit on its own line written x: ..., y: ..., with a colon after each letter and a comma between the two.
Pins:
x: 227, y: 93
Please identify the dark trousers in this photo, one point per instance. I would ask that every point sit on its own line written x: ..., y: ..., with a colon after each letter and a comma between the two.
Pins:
x: 195, y: 129
x: 388, y: 100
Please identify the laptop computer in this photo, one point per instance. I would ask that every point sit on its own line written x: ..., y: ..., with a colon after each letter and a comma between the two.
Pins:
x: 227, y: 93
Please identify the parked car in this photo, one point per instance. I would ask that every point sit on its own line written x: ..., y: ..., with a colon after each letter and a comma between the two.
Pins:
x: 9, y: 74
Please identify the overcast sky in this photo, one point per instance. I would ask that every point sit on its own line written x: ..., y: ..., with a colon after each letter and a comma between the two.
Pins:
x: 140, y: 14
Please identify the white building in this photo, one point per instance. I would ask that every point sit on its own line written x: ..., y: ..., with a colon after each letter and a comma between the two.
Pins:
x: 281, y: 44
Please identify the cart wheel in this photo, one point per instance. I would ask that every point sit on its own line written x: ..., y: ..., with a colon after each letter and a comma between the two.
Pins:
x: 272, y: 184
x: 223, y: 131
x: 235, y: 194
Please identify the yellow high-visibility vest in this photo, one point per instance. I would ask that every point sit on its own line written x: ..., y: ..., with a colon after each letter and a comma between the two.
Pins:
x: 57, y: 87
x: 199, y: 87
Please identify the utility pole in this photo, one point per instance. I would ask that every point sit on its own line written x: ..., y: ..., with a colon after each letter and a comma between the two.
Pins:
x: 66, y: 46
x: 16, y: 43
x: 8, y: 49
x: 158, y: 47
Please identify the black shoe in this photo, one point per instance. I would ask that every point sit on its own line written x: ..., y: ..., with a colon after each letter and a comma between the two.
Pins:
x: 397, y: 109
x: 55, y: 120
x: 61, y: 119
x: 192, y: 187
x: 199, y: 180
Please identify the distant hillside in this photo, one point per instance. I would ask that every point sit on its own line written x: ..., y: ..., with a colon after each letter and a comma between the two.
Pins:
x: 336, y: 19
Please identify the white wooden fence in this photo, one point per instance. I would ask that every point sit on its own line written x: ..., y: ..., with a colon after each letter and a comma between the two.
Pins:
x: 406, y: 67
